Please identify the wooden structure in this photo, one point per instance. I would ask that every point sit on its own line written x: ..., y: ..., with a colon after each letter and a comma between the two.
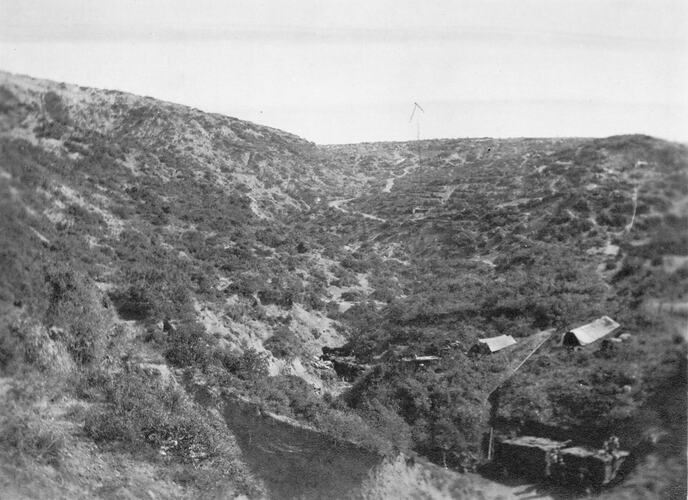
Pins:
x: 581, y: 465
x: 527, y: 455
x: 545, y: 459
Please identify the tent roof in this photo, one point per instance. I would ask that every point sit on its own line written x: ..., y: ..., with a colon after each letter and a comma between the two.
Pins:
x: 421, y: 359
x: 535, y: 442
x: 595, y: 330
x: 498, y: 343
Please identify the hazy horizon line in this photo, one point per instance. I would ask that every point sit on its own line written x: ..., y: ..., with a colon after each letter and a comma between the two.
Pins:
x: 19, y: 33
x: 459, y: 102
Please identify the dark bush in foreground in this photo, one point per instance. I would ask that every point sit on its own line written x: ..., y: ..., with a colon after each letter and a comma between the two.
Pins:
x: 187, y: 346
x: 144, y: 411
x: 143, y: 414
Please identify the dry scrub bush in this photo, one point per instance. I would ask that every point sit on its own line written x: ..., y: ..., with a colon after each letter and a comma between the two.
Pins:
x: 76, y: 310
x: 28, y: 437
x: 403, y: 478
x: 347, y: 426
x: 144, y: 411
x: 29, y: 343
x: 142, y: 414
x: 25, y: 433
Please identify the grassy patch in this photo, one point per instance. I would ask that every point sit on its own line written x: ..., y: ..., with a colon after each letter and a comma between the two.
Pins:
x: 27, y: 429
x: 25, y: 435
x: 147, y: 415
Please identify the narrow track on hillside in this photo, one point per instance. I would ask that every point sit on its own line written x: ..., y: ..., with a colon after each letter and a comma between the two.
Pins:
x: 391, y: 180
x: 337, y: 205
x: 629, y: 226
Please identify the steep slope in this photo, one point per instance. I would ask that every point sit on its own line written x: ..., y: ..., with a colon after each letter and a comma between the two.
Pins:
x: 144, y: 240
x: 128, y: 179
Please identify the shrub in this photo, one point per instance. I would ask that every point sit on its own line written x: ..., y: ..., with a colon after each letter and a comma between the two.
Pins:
x: 134, y: 303
x: 187, y: 346
x: 152, y: 289
x: 312, y: 301
x: 401, y: 477
x: 140, y: 411
x: 345, y: 277
x: 28, y: 342
x: 349, y: 426
x: 25, y: 434
x: 56, y: 108
x: 288, y: 395
x: 237, y: 311
x: 352, y: 296
x: 155, y: 419
x: 283, y: 344
x: 250, y: 364
x: 76, y: 308
x: 85, y: 217
x: 388, y: 425
x: 282, y: 298
x: 355, y: 264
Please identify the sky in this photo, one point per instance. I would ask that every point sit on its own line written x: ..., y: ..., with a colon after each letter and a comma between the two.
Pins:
x: 341, y: 71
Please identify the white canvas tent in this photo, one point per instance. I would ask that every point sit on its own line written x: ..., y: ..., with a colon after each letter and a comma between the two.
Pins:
x: 591, y: 332
x: 498, y: 343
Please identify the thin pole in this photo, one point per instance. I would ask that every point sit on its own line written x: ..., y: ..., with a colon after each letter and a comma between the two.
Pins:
x: 531, y: 353
x: 545, y: 339
x: 418, y: 138
x: 417, y: 106
x: 490, y: 444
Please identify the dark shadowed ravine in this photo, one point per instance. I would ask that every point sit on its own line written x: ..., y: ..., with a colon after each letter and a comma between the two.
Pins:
x: 298, y: 462
x: 294, y: 461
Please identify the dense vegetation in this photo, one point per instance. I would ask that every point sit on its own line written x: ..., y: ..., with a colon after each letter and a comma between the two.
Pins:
x: 572, y: 246
x: 141, y: 237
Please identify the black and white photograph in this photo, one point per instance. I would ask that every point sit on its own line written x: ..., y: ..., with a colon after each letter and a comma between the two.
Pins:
x: 343, y: 249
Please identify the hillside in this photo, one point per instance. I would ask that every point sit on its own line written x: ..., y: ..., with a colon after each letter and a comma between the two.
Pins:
x: 151, y: 249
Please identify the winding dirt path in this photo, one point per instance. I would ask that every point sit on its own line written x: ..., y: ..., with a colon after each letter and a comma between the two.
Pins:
x: 390, y: 181
x: 337, y: 205
x: 629, y: 226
